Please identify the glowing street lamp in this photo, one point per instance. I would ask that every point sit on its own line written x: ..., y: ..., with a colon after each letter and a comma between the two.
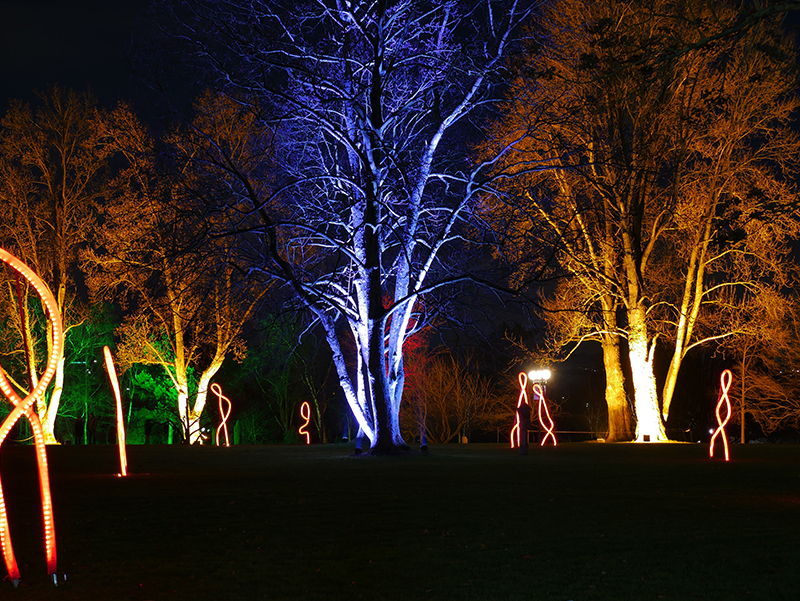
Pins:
x: 112, y: 375
x: 539, y: 375
x: 725, y: 384
x: 25, y: 407
x: 223, y: 413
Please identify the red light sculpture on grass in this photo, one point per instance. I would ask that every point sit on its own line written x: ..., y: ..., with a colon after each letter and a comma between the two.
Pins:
x: 516, y: 431
x: 223, y: 413
x: 538, y: 392
x: 724, y: 386
x: 305, y: 413
x: 25, y: 407
x: 112, y: 375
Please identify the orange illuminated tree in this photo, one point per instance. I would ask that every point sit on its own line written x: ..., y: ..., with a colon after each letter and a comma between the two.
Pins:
x: 664, y: 194
x: 53, y: 168
x: 186, y: 303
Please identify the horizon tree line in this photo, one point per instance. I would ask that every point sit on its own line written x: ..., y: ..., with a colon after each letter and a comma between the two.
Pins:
x: 355, y: 162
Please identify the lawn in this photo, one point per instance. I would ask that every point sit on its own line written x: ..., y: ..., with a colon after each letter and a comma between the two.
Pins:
x: 466, y: 522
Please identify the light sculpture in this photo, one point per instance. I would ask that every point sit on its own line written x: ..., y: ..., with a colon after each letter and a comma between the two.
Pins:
x: 305, y: 413
x: 223, y: 413
x: 538, y: 392
x: 25, y: 407
x: 724, y: 384
x: 112, y: 375
x: 516, y: 431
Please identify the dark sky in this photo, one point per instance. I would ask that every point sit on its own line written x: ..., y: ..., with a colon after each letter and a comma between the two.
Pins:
x: 74, y: 43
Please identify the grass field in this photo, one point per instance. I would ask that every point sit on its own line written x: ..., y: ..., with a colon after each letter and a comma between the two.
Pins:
x: 466, y: 522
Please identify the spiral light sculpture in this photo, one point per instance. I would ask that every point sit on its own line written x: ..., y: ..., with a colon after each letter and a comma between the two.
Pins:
x: 223, y: 413
x: 724, y: 385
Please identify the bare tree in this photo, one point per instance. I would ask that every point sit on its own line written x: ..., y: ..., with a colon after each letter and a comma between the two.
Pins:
x: 766, y: 359
x: 53, y: 167
x: 450, y: 399
x: 371, y: 106
x: 186, y: 302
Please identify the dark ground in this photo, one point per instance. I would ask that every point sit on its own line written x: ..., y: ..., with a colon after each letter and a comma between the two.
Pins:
x: 580, y: 521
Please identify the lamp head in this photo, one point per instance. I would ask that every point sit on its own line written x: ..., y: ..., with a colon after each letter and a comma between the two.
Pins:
x: 539, y: 375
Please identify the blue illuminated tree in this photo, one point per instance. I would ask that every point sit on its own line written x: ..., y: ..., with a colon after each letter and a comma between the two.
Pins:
x: 365, y: 197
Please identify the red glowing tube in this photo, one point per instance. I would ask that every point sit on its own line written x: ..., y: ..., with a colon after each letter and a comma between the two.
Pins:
x: 112, y: 375
x: 305, y: 413
x: 25, y: 407
x: 538, y: 391
x: 725, y: 384
x: 224, y: 414
x: 516, y: 431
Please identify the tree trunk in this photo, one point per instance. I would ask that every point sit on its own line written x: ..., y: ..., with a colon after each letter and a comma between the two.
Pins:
x: 48, y: 419
x: 619, y: 413
x: 649, y: 427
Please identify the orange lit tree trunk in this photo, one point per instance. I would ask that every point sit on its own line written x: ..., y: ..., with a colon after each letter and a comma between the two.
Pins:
x: 619, y: 411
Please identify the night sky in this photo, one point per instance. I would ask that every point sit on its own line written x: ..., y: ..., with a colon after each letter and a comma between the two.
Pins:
x: 73, y: 43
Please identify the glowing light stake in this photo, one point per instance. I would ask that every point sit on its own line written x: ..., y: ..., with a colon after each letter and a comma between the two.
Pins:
x: 516, y: 431
x: 112, y: 375
x: 305, y: 413
x: 725, y: 384
x: 538, y: 391
x: 224, y: 414
x: 25, y: 407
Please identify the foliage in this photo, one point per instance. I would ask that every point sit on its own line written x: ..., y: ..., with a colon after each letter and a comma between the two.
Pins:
x: 86, y: 384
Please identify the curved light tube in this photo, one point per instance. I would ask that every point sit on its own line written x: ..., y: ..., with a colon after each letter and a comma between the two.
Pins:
x: 538, y: 391
x: 725, y: 385
x: 305, y: 413
x: 25, y: 407
x: 224, y: 414
x: 516, y: 431
x: 112, y: 375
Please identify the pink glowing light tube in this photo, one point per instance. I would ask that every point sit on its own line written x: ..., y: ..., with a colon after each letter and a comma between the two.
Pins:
x: 516, y: 431
x: 305, y: 413
x: 25, y: 407
x: 538, y: 391
x: 724, y: 385
x: 224, y: 413
x: 112, y: 375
